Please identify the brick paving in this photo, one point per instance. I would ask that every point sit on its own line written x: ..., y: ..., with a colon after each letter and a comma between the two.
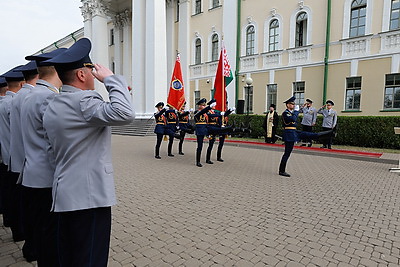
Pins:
x: 333, y: 211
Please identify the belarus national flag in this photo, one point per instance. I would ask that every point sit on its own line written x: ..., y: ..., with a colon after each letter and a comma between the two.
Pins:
x: 176, y: 96
x: 222, y: 79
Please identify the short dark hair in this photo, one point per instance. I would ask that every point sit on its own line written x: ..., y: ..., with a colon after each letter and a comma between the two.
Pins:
x: 29, y: 76
x: 67, y: 77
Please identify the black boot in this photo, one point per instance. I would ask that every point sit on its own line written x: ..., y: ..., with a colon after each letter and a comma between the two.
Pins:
x: 219, y: 152
x: 198, y: 155
x: 282, y: 169
x: 208, y: 156
x: 180, y: 147
x: 157, y: 153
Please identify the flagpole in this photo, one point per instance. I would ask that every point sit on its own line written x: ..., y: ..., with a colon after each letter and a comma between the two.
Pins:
x: 223, y: 83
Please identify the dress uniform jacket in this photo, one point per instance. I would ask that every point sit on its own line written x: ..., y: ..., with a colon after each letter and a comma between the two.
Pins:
x: 5, y: 108
x: 160, y: 122
x: 183, y: 117
x: 37, y: 170
x: 330, y: 118
x: 171, y: 121
x: 215, y: 121
x: 289, y: 124
x: 201, y: 120
x: 17, y: 152
x: 77, y: 126
x: 309, y: 116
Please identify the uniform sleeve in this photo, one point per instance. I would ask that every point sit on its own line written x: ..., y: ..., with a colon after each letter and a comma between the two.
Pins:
x: 118, y: 111
x: 203, y: 111
x: 320, y: 111
x: 290, y: 117
x: 158, y: 114
x: 314, y: 117
x: 334, y: 120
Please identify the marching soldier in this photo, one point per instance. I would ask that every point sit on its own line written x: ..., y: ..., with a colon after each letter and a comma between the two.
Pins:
x: 291, y: 135
x: 15, y: 81
x: 329, y: 121
x: 224, y: 121
x: 171, y: 127
x: 160, y: 127
x: 77, y: 125
x: 309, y: 119
x: 38, y: 172
x: 215, y: 123
x: 17, y: 152
x: 201, y: 120
x: 184, y: 126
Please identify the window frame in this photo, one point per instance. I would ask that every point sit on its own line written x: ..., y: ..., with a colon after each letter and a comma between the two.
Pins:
x: 393, y: 94
x: 272, y: 96
x: 248, y: 98
x: 300, y: 95
x: 391, y: 16
x: 197, y: 51
x: 353, y: 90
x: 358, y: 8
x: 197, y: 96
x: 197, y: 5
x: 275, y: 36
x: 301, y: 30
x: 250, y: 50
x: 214, y: 47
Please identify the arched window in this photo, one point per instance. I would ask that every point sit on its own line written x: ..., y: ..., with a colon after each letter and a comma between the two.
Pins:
x: 274, y: 35
x: 214, y: 47
x: 197, y: 52
x: 395, y: 15
x: 250, y: 40
x: 358, y: 18
x: 301, y: 29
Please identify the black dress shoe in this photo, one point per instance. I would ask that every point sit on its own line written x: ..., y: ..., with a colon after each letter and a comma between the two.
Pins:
x: 209, y: 162
x: 309, y: 145
x: 220, y: 160
x: 198, y: 164
x: 157, y: 157
x: 323, y: 147
x: 181, y: 153
x: 170, y: 155
x: 284, y: 174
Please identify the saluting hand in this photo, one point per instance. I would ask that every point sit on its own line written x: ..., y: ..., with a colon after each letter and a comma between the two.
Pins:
x: 100, y: 72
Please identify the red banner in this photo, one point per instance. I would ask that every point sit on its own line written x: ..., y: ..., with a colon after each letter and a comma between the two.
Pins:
x: 176, y: 95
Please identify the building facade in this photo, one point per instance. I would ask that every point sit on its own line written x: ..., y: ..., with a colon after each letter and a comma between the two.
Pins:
x: 344, y: 50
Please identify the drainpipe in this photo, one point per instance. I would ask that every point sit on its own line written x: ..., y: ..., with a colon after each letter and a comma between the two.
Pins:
x: 55, y: 44
x: 73, y: 37
x: 238, y: 35
x: 327, y: 41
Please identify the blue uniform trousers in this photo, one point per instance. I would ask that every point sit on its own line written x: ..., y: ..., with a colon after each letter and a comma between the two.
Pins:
x: 83, y: 237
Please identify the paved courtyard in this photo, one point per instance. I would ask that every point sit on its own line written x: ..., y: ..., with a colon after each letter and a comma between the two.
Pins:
x: 333, y: 211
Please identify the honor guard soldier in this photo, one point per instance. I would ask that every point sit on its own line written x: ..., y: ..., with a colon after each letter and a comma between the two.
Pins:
x: 17, y: 152
x: 15, y: 81
x: 77, y: 125
x: 291, y: 135
x: 309, y: 119
x: 40, y: 224
x: 215, y: 123
x: 224, y: 122
x: 201, y: 120
x: 160, y: 127
x: 329, y: 121
x: 3, y: 168
x: 171, y: 116
x: 184, y: 126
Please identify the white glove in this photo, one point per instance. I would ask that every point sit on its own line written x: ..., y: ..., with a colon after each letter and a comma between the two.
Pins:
x: 213, y: 104
x: 191, y: 110
x: 296, y: 108
x: 222, y: 113
x: 176, y: 112
x: 232, y: 109
x: 177, y: 127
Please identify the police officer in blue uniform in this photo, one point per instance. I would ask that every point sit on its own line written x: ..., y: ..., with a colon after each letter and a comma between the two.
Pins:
x: 290, y: 133
x: 201, y: 120
x: 172, y: 125
x: 160, y: 127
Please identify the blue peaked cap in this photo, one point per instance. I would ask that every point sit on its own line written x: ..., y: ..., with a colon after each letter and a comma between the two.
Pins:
x: 292, y: 99
x: 45, y: 56
x: 14, y: 75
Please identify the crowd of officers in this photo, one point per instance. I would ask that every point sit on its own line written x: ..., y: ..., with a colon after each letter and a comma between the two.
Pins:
x: 308, y: 121
x: 56, y: 175
x: 208, y: 122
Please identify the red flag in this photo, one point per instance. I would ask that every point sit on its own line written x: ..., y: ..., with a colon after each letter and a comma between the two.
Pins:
x: 222, y: 79
x: 176, y: 95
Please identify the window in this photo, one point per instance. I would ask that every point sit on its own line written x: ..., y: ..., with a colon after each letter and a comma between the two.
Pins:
x: 248, y: 89
x: 215, y: 3
x: 301, y: 29
x: 196, y: 97
x: 197, y: 7
x: 214, y: 47
x: 197, y: 55
x: 250, y: 40
x: 273, y: 35
x: 392, y: 91
x: 298, y: 92
x: 112, y: 37
x: 353, y: 93
x: 271, y: 94
x: 358, y: 17
x: 395, y: 15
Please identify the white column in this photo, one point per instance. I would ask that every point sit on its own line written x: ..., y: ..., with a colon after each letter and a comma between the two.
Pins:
x: 100, y: 42
x: 127, y: 49
x: 138, y: 56
x: 171, y: 48
x: 117, y: 44
x: 229, y: 22
x: 184, y: 42
x: 87, y: 19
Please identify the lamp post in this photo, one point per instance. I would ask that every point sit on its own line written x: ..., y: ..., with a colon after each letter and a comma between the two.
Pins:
x: 248, y: 86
